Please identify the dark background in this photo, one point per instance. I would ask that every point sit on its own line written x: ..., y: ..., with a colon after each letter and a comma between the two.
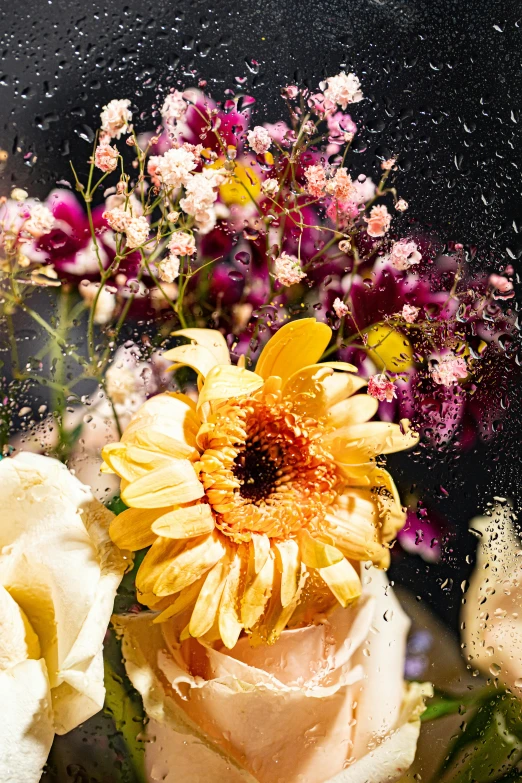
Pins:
x: 443, y: 88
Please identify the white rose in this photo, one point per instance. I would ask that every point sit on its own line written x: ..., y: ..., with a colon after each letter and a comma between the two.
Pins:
x: 59, y: 572
x: 492, y: 617
x: 324, y: 703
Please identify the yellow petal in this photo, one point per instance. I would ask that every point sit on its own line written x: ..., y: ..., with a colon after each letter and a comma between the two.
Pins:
x: 343, y: 366
x: 132, y: 462
x: 160, y: 555
x: 132, y: 528
x: 339, y: 386
x: 261, y: 545
x: 207, y: 604
x: 316, y: 554
x: 169, y: 486
x: 18, y: 640
x: 210, y: 339
x: 393, y: 351
x: 197, y: 556
x: 343, y: 580
x: 390, y: 508
x: 187, y: 522
x: 354, y: 525
x: 166, y: 422
x: 361, y: 442
x: 229, y: 623
x: 257, y: 594
x: 288, y: 561
x: 226, y: 381
x: 186, y: 598
x: 197, y: 357
x: 355, y: 410
x: 296, y: 345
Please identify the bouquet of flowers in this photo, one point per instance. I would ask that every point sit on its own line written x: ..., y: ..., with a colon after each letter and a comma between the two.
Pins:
x: 242, y: 326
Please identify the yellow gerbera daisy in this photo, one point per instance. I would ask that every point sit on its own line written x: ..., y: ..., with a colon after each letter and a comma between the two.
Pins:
x: 262, y: 497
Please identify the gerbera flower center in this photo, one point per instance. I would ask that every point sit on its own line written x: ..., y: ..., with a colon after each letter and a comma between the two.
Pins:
x: 265, y: 470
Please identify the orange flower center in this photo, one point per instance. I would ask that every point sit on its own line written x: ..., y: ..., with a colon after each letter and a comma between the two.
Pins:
x: 265, y: 470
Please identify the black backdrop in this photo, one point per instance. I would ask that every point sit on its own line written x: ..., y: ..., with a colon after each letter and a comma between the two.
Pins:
x: 444, y: 86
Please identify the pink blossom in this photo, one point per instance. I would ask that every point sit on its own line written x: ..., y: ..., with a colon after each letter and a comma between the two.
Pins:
x: 379, y: 221
x: 448, y: 369
x: 280, y: 133
x: 404, y: 254
x: 168, y: 269
x: 341, y: 212
x: 410, y: 313
x: 502, y: 285
x: 287, y: 269
x: 175, y: 166
x: 115, y: 118
x: 387, y: 165
x: 106, y: 157
x: 343, y: 89
x: 182, y: 244
x: 340, y: 126
x: 381, y: 388
x: 259, y: 139
x: 315, y: 180
x: 137, y: 231
x: 340, y: 309
x: 401, y: 205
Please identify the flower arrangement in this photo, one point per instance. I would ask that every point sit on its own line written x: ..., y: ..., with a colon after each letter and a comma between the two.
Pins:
x: 248, y: 304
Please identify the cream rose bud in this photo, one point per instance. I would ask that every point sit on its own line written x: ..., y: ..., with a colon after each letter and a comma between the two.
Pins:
x: 492, y: 618
x: 326, y: 702
x: 59, y: 572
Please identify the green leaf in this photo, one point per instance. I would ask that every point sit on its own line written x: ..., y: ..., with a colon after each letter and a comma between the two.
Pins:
x: 123, y: 703
x: 490, y: 744
x: 116, y: 505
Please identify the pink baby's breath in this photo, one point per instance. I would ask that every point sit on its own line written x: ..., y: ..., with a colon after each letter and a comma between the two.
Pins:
x: 259, y: 139
x: 168, y: 269
x: 378, y: 221
x: 40, y: 222
x: 182, y: 244
x: 117, y: 218
x: 137, y: 231
x: 401, y: 205
x: 341, y: 186
x: 315, y: 180
x: 343, y: 89
x: 287, y: 269
x: 174, y: 167
x: 449, y: 369
x: 410, y: 313
x: 381, y: 388
x: 106, y: 157
x: 340, y: 309
x: 116, y: 118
